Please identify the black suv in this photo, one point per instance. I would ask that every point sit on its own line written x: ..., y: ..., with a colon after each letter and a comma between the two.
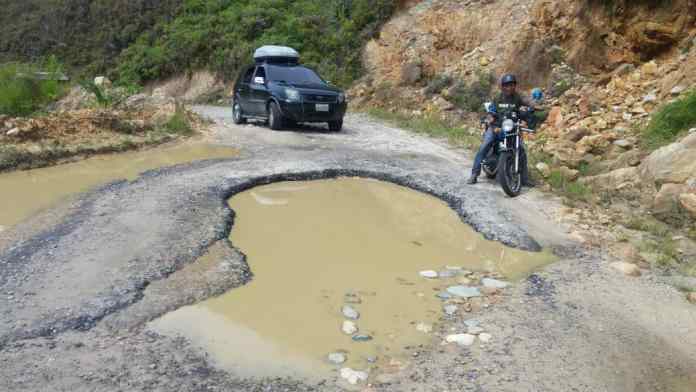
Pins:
x: 279, y: 90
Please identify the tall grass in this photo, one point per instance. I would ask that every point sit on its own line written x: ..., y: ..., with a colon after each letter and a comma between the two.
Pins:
x: 670, y: 122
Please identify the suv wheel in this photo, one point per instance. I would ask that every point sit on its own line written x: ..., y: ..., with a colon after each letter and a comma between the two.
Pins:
x: 336, y: 126
x: 275, y: 118
x: 237, y: 114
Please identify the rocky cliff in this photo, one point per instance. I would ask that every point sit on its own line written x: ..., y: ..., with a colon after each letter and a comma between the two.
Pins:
x: 608, y: 69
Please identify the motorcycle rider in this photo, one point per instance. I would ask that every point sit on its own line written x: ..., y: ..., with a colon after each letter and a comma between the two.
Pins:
x: 508, y: 100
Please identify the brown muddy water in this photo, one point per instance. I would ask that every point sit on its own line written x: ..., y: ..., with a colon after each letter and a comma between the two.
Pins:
x: 315, y: 246
x: 24, y: 193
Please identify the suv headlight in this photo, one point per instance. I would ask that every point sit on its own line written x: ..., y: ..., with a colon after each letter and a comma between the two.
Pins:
x: 292, y: 95
x: 341, y: 97
x: 508, y: 125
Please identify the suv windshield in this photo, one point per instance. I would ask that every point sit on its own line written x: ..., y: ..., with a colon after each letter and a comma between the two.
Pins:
x: 293, y: 74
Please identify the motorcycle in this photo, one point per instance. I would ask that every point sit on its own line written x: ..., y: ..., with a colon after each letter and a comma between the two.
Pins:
x: 503, y: 160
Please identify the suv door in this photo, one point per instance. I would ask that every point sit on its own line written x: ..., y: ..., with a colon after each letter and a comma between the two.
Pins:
x: 259, y: 91
x: 242, y: 90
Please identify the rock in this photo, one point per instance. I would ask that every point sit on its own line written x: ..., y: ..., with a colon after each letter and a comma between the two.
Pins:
x: 624, y: 69
x: 691, y: 297
x: 463, y: 339
x: 688, y: 202
x: 629, y: 253
x: 544, y: 169
x: 353, y: 376
x: 570, y: 174
x: 601, y: 125
x: 349, y: 327
x: 623, y: 143
x: 337, y: 358
x: 423, y: 327
x: 464, y: 291
x: 350, y: 313
x: 411, y: 73
x: 12, y: 132
x: 666, y: 202
x: 485, y: 337
x: 444, y: 295
x: 577, y: 134
x: 474, y: 330
x: 494, y: 283
x: 650, y: 98
x: 484, y: 61
x: 649, y: 68
x: 428, y: 274
x: 447, y: 274
x: 488, y: 291
x: 361, y: 338
x: 450, y: 310
x: 613, y: 179
x: 102, y: 81
x: 352, y: 298
x: 638, y: 110
x: 627, y: 269
x: 677, y: 90
x: 675, y: 163
x: 555, y: 117
x: 472, y: 323
x: 442, y: 104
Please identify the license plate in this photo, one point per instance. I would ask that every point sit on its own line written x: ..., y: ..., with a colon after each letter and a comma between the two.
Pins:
x: 322, y: 107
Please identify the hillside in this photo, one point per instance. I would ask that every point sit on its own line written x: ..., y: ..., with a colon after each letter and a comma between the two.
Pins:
x: 145, y: 40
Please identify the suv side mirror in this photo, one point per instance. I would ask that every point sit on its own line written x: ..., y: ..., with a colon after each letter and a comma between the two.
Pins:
x: 259, y: 80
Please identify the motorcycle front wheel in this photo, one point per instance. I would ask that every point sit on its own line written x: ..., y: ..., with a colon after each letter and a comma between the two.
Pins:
x: 510, y: 180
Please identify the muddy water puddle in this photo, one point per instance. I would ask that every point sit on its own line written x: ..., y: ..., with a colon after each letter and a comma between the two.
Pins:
x: 315, y: 247
x: 26, y: 192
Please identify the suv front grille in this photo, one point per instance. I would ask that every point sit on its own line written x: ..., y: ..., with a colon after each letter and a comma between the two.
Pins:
x: 318, y: 98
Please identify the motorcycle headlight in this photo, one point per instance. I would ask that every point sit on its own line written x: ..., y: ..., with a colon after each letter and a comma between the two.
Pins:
x: 508, y: 125
x: 292, y: 95
x: 341, y: 97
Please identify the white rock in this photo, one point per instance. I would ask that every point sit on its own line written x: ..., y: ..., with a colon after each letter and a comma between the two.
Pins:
x: 494, y: 283
x: 350, y: 313
x: 423, y: 327
x: 12, y: 132
x: 349, y: 327
x: 474, y: 330
x: 462, y: 339
x: 353, y: 376
x: 102, y: 81
x: 450, y: 309
x: 464, y: 291
x: 472, y: 323
x: 485, y: 337
x: 649, y: 98
x: 428, y: 274
x: 544, y: 169
x: 677, y: 90
x: 337, y: 358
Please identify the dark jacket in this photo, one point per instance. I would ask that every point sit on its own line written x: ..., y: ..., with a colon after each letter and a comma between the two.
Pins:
x: 506, y: 104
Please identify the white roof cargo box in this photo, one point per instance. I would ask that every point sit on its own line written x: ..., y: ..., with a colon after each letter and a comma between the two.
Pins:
x: 277, y: 54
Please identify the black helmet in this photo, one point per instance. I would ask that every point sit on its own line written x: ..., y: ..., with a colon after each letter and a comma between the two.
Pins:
x: 508, y: 78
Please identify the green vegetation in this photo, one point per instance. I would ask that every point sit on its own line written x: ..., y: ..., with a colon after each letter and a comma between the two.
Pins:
x: 573, y: 191
x: 222, y: 35
x: 670, y: 121
x: 432, y: 126
x: 468, y: 96
x: 179, y: 123
x: 24, y: 91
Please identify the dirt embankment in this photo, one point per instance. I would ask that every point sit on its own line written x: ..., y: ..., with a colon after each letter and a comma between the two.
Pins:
x: 79, y: 125
x: 607, y: 70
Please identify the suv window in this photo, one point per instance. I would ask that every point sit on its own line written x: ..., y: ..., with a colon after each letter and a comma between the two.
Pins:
x: 247, y: 75
x: 294, y: 74
x: 260, y: 73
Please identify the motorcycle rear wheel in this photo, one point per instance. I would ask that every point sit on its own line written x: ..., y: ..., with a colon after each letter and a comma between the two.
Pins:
x: 510, y: 181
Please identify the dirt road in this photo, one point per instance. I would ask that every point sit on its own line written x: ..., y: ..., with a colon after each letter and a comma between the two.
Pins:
x: 78, y: 283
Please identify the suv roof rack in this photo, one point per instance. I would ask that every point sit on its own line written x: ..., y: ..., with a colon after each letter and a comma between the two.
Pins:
x: 276, y: 55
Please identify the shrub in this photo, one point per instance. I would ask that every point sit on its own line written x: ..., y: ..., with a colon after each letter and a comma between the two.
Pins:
x: 670, y: 121
x: 24, y: 91
x: 179, y: 123
x: 438, y: 83
x: 471, y: 96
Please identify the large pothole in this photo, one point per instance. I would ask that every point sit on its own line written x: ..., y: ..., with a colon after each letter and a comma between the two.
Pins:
x: 315, y: 247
